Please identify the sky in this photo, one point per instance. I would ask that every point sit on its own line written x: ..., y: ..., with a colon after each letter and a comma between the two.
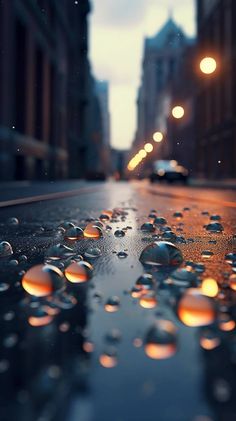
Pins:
x: 117, y: 31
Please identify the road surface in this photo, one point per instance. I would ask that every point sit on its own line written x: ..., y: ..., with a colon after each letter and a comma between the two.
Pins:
x: 87, y: 363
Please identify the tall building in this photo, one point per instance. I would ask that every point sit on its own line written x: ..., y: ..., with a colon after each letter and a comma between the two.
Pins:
x: 160, y: 62
x: 46, y: 93
x: 216, y: 97
x: 102, y: 92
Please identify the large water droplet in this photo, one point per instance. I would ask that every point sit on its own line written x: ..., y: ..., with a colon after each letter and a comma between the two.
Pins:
x: 148, y: 300
x: 93, y: 252
x: 194, y: 309
x: 161, y: 340
x: 161, y: 253
x: 74, y: 233
x: 92, y: 231
x: 59, y: 251
x: 42, y: 280
x: 119, y: 233
x: 183, y: 278
x: 145, y: 281
x: 159, y: 220
x: 147, y: 227
x: 109, y: 358
x: 5, y: 249
x: 39, y: 318
x: 13, y: 221
x: 79, y: 272
x: 112, y: 304
x: 215, y: 227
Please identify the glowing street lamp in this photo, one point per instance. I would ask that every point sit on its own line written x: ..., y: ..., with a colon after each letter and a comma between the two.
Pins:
x: 157, y: 137
x: 208, y: 65
x: 148, y: 147
x: 142, y: 153
x: 177, y: 111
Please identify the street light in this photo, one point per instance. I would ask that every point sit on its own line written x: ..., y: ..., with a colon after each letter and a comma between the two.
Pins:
x: 142, y: 153
x: 148, y: 147
x: 178, y: 111
x: 157, y: 137
x: 208, y: 65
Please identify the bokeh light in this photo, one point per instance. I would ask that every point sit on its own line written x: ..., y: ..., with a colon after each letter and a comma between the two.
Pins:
x: 208, y: 65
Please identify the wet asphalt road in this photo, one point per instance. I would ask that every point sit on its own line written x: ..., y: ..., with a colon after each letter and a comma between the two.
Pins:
x: 51, y: 371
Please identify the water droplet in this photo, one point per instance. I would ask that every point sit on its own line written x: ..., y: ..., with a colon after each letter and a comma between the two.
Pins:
x: 194, y: 309
x: 226, y: 323
x: 230, y: 258
x: 67, y: 224
x: 183, y: 278
x: 23, y: 259
x: 88, y: 346
x: 199, y: 267
x: 215, y: 217
x: 13, y: 262
x: 4, y: 286
x: 147, y: 227
x: 161, y: 253
x: 104, y: 217
x: 209, y: 287
x: 5, y: 249
x: 93, y: 252
x: 92, y: 231
x: 186, y: 209
x: 108, y: 359
x: 112, y: 304
x: 178, y: 215
x: 9, y: 316
x: 205, y: 213
x: 221, y: 390
x: 79, y: 272
x: 159, y: 220
x: 137, y: 292
x: 148, y: 300
x: 137, y: 342
x: 65, y: 301
x: 161, y: 340
x: 119, y: 233
x: 232, y: 281
x: 13, y: 221
x: 74, y: 233
x: 207, y: 254
x: 122, y: 254
x: 114, y: 336
x: 64, y: 327
x: 43, y: 280
x: 59, y: 251
x: 169, y: 236
x: 215, y: 227
x: 39, y: 318
x: 209, y: 340
x: 145, y: 281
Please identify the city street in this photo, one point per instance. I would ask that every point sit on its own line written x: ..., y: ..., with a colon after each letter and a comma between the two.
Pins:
x: 106, y: 348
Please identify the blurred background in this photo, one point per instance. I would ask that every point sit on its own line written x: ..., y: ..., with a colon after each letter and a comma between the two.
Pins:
x: 85, y: 86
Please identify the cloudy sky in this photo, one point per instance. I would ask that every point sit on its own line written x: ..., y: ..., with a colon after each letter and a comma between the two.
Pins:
x: 117, y: 30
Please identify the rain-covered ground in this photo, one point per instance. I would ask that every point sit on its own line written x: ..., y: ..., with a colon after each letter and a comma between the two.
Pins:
x: 99, y: 341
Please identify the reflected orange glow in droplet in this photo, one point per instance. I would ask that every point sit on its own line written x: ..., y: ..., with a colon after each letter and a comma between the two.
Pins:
x: 79, y: 272
x: 52, y: 311
x: 92, y: 231
x: 159, y: 351
x: 107, y: 361
x: 40, y: 321
x: 148, y: 302
x: 232, y: 281
x: 111, y: 308
x: 209, y: 287
x: 137, y: 292
x: 209, y: 343
x: 195, y: 309
x: 227, y: 325
x: 88, y: 346
x: 37, y: 281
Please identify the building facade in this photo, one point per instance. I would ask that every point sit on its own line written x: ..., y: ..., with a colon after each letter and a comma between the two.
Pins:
x: 102, y: 92
x: 46, y: 93
x: 216, y: 97
x: 160, y: 62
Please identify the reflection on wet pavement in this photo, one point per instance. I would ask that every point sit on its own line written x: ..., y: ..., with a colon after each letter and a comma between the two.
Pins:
x: 143, y: 294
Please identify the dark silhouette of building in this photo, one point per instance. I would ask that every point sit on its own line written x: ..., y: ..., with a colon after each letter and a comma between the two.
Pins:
x: 46, y: 90
x: 216, y: 103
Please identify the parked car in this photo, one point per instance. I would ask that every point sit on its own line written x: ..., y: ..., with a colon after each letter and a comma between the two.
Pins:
x: 169, y: 171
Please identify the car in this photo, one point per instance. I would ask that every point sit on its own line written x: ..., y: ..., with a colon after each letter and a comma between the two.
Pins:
x: 168, y: 170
